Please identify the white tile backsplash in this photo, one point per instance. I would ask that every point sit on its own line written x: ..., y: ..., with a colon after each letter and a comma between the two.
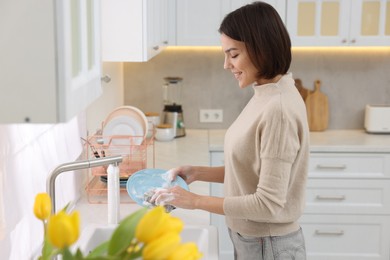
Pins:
x: 350, y: 77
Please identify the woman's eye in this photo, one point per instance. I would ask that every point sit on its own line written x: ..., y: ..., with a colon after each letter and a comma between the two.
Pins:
x: 234, y: 56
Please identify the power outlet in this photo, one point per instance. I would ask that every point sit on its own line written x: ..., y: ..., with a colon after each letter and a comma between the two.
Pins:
x: 211, y: 115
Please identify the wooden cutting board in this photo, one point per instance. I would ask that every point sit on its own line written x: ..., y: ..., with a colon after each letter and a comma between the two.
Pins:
x: 302, y: 90
x: 317, y: 109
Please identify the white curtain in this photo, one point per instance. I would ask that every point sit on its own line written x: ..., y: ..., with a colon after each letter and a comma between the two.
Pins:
x: 28, y: 154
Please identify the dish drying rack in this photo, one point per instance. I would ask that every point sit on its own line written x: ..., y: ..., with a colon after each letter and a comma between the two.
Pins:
x: 135, y: 151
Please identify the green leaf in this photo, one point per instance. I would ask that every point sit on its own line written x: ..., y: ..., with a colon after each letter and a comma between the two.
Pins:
x: 124, y: 234
x: 65, y: 209
x: 47, y: 249
x: 67, y: 255
x: 79, y: 255
x: 99, y: 250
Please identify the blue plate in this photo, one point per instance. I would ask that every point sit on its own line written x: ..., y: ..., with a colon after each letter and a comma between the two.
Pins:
x: 147, y: 179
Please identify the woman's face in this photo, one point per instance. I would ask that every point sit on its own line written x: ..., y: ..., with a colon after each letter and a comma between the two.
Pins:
x: 238, y: 61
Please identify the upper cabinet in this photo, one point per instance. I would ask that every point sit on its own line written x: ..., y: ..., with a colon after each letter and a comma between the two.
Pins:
x: 197, y: 21
x: 133, y: 30
x: 339, y: 22
x: 50, y: 59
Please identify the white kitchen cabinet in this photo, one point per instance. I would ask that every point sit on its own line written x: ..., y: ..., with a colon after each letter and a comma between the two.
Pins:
x: 346, y: 237
x: 339, y: 22
x: 226, y: 251
x: 198, y: 20
x: 347, y: 214
x: 135, y: 30
x: 50, y: 59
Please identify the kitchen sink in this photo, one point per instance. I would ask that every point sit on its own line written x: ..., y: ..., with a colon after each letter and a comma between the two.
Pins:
x: 206, y: 237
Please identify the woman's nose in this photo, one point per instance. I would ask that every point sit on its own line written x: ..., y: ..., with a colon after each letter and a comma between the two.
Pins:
x: 226, y: 64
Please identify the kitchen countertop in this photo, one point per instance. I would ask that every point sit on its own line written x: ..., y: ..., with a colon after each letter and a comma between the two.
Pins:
x: 327, y: 141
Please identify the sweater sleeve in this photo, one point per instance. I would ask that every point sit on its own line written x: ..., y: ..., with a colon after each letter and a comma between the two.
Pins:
x: 278, y: 147
x: 270, y: 196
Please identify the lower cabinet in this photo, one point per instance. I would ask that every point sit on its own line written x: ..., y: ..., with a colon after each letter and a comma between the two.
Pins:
x: 226, y: 251
x: 346, y: 237
x: 347, y: 214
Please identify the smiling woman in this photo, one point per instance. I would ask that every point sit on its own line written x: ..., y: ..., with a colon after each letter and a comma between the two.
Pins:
x: 266, y: 148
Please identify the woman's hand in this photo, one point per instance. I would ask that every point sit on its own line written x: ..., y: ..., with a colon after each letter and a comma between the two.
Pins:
x: 186, y: 172
x: 175, y: 196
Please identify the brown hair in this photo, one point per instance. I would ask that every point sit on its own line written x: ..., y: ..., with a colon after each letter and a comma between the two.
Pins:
x: 266, y: 39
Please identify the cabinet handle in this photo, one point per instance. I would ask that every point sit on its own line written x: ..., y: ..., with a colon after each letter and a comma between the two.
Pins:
x: 165, y: 42
x: 321, y: 197
x: 353, y: 41
x: 329, y: 233
x: 156, y: 48
x: 331, y: 167
x: 105, y: 78
x: 344, y: 41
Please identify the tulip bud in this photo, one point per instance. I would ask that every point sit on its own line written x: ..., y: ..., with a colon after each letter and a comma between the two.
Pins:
x: 187, y: 251
x: 42, y: 206
x: 152, y: 225
x: 63, y: 229
x: 175, y: 224
x: 161, y: 247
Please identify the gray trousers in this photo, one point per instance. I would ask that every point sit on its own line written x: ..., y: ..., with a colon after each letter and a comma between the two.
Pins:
x: 287, y: 247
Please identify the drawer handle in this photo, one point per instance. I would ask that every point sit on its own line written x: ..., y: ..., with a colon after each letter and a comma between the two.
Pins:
x: 331, y: 167
x: 321, y: 197
x: 329, y: 233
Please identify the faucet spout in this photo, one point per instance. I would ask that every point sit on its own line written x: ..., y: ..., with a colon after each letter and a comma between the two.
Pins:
x: 72, y: 166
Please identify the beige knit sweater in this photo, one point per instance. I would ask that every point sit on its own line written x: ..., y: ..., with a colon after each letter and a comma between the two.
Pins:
x: 266, y: 162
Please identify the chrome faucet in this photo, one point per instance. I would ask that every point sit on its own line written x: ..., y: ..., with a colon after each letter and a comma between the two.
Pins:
x: 77, y: 165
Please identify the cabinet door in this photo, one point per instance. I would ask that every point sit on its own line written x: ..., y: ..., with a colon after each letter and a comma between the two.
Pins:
x: 133, y: 30
x: 343, y: 237
x: 347, y: 196
x: 198, y: 26
x: 216, y: 189
x: 51, y: 58
x: 370, y: 23
x: 349, y: 165
x: 198, y: 22
x: 156, y: 27
x: 79, y: 56
x: 318, y: 23
x: 279, y: 5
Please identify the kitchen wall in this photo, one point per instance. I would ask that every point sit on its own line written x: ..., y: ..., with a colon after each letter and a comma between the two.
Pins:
x: 351, y: 77
x: 30, y: 152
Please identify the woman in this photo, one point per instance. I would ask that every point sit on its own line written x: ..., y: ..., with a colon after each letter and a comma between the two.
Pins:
x: 266, y: 149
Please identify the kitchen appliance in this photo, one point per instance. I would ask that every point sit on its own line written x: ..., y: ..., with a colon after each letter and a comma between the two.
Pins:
x: 173, y: 112
x: 377, y: 119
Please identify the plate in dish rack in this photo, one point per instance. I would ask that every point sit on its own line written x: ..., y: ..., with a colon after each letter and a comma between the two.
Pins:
x: 147, y: 180
x: 126, y: 121
x: 120, y: 128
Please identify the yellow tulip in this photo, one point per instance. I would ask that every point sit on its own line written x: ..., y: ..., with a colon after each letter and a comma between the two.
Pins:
x: 187, y: 251
x: 152, y: 225
x: 161, y: 247
x: 175, y: 224
x: 42, y: 206
x: 63, y: 229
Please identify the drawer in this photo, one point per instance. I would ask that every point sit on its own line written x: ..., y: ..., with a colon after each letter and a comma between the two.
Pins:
x: 333, y: 196
x: 346, y: 237
x: 346, y: 165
